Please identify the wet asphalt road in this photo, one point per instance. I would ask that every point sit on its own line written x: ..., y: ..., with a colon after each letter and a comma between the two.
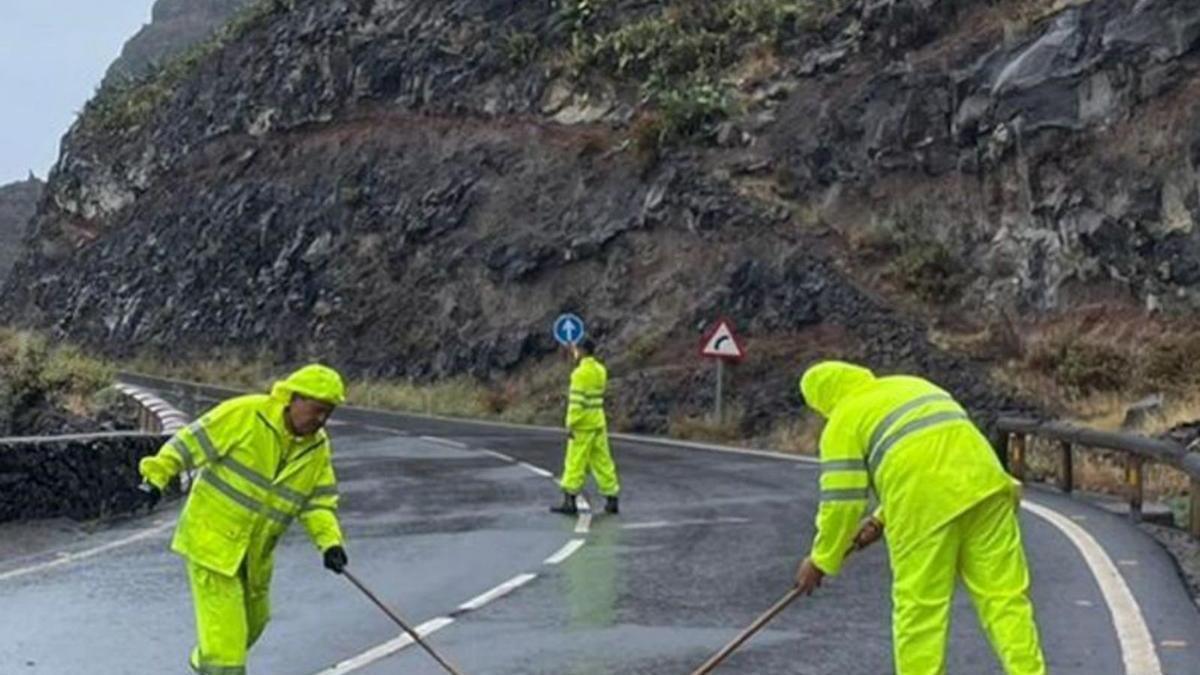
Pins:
x: 706, y: 541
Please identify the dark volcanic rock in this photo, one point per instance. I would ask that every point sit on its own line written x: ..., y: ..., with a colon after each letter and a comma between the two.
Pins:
x: 18, y: 201
x: 81, y: 477
x: 174, y: 26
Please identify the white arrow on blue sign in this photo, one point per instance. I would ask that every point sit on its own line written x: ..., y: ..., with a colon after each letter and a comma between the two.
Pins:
x: 569, y: 329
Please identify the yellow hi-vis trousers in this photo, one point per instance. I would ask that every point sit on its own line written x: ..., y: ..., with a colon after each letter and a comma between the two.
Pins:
x: 983, y: 547
x: 229, y: 619
x: 588, y: 449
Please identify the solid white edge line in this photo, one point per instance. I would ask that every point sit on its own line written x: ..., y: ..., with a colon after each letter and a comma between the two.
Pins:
x: 565, y: 552
x: 445, y: 441
x: 1137, y: 645
x: 63, y: 558
x: 636, y: 438
x: 537, y: 469
x: 497, y: 592
x: 387, y: 648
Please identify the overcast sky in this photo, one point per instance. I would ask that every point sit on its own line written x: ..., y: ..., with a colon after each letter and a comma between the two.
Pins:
x: 53, y: 53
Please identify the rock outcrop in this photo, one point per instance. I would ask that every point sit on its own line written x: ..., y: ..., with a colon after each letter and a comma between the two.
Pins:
x: 175, y: 25
x: 18, y: 202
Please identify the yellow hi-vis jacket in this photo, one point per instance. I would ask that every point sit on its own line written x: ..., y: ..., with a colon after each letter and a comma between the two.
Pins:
x: 254, y: 479
x: 585, y: 401
x: 908, y: 439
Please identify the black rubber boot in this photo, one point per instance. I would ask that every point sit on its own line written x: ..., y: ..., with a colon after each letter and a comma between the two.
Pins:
x: 567, y: 508
x: 611, y: 505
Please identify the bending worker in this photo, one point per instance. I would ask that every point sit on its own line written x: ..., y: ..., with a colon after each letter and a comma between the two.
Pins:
x: 587, y: 430
x: 262, y: 461
x: 945, y: 502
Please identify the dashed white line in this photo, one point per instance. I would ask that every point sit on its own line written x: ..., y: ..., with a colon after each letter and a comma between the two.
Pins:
x: 656, y: 524
x: 63, y: 558
x: 498, y: 455
x: 584, y: 523
x: 444, y: 441
x: 565, y: 552
x: 1137, y: 646
x: 537, y: 469
x: 386, y: 430
x: 388, y: 648
x: 497, y: 592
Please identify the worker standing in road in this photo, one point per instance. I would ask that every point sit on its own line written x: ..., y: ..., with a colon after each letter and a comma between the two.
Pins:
x: 587, y: 429
x: 947, y: 505
x: 263, y: 460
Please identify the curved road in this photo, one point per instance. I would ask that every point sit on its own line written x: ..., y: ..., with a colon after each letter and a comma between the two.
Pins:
x: 447, y: 521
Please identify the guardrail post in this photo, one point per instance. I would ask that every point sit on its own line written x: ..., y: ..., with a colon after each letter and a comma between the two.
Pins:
x: 1067, y: 467
x: 1016, y: 455
x: 1134, y: 484
x: 1194, y: 508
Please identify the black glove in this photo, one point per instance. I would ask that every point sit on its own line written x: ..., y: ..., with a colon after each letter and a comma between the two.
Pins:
x: 150, y: 495
x: 335, y: 559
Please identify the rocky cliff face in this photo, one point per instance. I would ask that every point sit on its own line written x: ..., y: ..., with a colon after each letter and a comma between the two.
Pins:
x: 175, y: 26
x: 416, y: 187
x: 18, y: 201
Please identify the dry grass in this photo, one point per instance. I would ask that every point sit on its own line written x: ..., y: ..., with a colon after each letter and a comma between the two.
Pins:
x: 30, y: 364
x: 798, y: 435
x: 707, y: 428
x: 1103, y: 472
x: 1090, y: 363
x: 457, y: 397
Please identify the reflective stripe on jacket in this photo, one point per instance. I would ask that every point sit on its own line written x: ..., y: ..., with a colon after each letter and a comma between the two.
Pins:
x: 585, y: 400
x: 254, y: 479
x: 906, y: 438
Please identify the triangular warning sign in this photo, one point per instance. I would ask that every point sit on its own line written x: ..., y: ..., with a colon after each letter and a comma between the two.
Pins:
x: 721, y: 343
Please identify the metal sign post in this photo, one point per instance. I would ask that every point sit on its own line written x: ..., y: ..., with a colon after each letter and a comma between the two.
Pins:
x: 720, y: 393
x: 721, y: 343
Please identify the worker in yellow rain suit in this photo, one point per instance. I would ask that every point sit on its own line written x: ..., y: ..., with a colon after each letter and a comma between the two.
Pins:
x: 263, y: 460
x: 587, y: 428
x: 947, y: 505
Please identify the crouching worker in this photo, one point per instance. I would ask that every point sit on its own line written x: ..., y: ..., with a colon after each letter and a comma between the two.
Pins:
x: 947, y: 506
x: 263, y: 460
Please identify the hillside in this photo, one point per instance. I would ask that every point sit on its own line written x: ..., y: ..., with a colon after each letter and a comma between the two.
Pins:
x: 417, y: 188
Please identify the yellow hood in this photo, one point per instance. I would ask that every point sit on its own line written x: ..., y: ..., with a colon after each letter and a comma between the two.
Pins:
x: 824, y: 385
x: 313, y: 381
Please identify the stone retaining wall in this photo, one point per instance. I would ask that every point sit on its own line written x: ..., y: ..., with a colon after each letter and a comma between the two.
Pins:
x: 81, y: 477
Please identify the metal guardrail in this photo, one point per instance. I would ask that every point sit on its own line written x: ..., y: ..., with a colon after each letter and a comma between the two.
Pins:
x: 1137, y: 450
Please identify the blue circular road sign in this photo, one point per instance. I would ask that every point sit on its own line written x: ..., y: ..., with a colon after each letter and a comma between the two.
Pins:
x: 569, y: 329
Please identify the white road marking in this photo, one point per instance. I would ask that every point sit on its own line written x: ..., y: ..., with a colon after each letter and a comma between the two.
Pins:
x: 444, y: 441
x: 656, y: 524
x: 715, y: 448
x: 1137, y: 646
x: 386, y: 430
x: 1127, y: 563
x: 537, y: 469
x: 565, y: 552
x: 388, y: 648
x: 497, y: 592
x: 1174, y: 644
x: 498, y: 455
x: 584, y: 523
x: 1084, y: 603
x: 63, y: 558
